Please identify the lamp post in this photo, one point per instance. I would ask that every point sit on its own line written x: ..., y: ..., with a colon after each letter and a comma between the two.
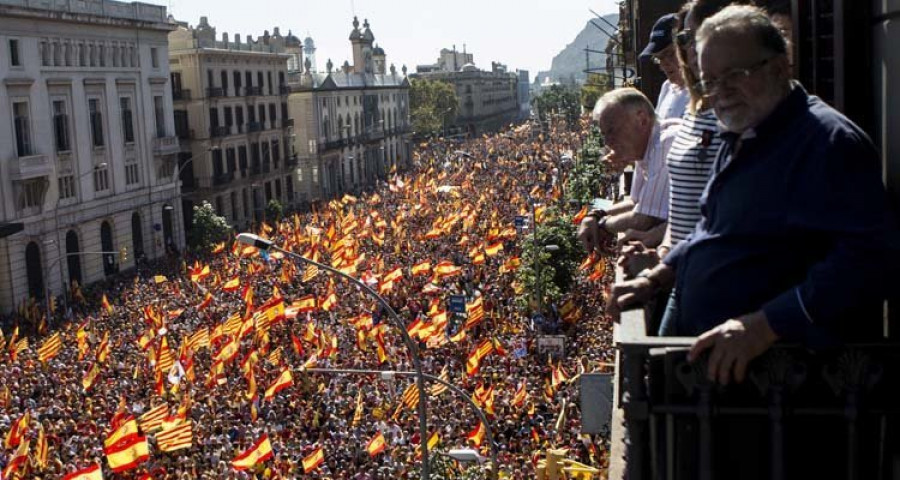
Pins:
x: 59, y: 254
x: 390, y: 374
x: 263, y: 244
x: 176, y: 177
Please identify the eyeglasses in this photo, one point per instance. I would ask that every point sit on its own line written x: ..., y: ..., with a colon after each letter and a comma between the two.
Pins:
x: 667, y: 53
x: 709, y: 88
x: 685, y: 38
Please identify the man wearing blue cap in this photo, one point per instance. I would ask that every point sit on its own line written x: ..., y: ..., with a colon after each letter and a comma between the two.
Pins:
x: 673, y: 97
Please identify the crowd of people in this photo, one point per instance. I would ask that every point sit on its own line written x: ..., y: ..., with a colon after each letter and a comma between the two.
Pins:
x: 452, y: 209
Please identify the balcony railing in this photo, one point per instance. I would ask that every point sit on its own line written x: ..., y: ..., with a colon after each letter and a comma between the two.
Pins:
x: 165, y: 146
x: 252, y: 91
x: 182, y: 94
x: 215, y: 92
x: 254, y: 127
x: 255, y: 170
x: 796, y: 413
x: 217, y: 132
x: 28, y: 167
x: 287, y: 122
x: 284, y: 90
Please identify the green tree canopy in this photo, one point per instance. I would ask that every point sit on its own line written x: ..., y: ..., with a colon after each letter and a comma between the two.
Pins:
x: 433, y: 104
x: 560, y: 100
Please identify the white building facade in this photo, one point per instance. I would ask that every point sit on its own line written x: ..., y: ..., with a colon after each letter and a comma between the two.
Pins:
x: 87, y: 143
x: 353, y: 123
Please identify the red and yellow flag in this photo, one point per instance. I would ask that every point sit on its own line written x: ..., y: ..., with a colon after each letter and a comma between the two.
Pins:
x: 232, y: 285
x: 476, y: 436
x: 313, y: 460
x: 376, y: 445
x: 50, y: 348
x: 153, y: 418
x: 421, y: 268
x: 175, y: 438
x: 17, y: 431
x: 285, y: 380
x: 106, y: 306
x: 257, y: 453
x: 127, y: 453
x: 90, y: 473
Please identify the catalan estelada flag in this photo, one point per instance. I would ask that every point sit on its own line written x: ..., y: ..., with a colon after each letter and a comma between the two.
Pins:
x: 257, y: 453
x: 376, y: 445
x: 313, y: 460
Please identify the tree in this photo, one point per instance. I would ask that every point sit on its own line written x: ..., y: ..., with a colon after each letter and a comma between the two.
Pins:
x: 433, y: 106
x: 208, y: 228
x: 557, y: 268
x: 560, y: 100
x: 591, y: 178
x: 274, y: 210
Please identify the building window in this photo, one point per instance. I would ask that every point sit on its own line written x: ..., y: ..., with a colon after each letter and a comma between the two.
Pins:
x: 66, y: 184
x: 97, y: 122
x: 260, y: 82
x: 159, y: 110
x: 127, y: 119
x: 23, y: 129
x: 239, y: 117
x: 15, y: 59
x: 269, y: 80
x: 61, y: 126
x: 272, y: 114
x: 154, y: 57
x: 32, y: 194
x: 237, y: 83
x: 262, y: 116
x: 224, y: 75
x: 131, y: 174
x: 229, y: 118
x: 101, y: 180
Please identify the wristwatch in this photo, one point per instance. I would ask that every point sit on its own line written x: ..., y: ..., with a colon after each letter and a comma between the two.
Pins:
x: 654, y: 283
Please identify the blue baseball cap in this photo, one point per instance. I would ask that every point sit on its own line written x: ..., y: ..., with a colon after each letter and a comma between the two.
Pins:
x: 660, y: 36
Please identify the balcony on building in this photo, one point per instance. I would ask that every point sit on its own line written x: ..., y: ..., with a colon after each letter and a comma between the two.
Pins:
x: 181, y: 95
x: 291, y: 161
x: 284, y: 90
x: 165, y: 145
x: 215, y: 92
x: 254, y: 127
x: 252, y: 91
x: 797, y: 414
x: 218, y: 132
x: 27, y: 167
x: 223, y: 179
x: 287, y: 122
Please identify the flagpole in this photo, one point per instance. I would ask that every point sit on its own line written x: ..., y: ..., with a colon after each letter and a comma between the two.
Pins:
x: 488, y: 434
x: 263, y: 244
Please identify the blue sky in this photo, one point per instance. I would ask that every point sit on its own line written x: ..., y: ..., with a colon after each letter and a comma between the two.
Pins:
x: 523, y: 34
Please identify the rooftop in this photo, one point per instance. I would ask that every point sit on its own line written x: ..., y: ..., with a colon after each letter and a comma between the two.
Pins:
x: 100, y: 8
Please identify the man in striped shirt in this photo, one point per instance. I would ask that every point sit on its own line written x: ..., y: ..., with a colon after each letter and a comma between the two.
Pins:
x: 632, y: 132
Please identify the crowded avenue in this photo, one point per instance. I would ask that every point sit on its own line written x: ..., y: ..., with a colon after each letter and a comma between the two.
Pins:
x: 202, y: 359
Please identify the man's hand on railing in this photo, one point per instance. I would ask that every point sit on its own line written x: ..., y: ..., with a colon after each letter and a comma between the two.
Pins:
x: 636, y: 258
x: 639, y: 290
x: 734, y: 344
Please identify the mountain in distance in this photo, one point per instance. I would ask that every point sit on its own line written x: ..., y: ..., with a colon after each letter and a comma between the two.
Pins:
x: 570, y: 62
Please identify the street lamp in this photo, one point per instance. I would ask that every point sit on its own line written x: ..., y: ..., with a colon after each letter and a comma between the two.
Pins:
x: 462, y: 454
x: 176, y: 177
x: 59, y: 254
x: 263, y: 244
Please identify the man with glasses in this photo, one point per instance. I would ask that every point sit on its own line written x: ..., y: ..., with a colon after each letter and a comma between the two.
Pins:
x: 796, y: 241
x: 673, y: 97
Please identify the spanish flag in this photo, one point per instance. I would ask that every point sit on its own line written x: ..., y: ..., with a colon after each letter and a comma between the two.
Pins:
x: 283, y: 381
x: 494, y: 249
x: 127, y: 453
x: 157, y: 279
x: 519, y: 397
x: 313, y: 460
x: 50, y: 348
x: 476, y: 436
x: 259, y: 452
x: 18, y: 458
x: 446, y: 269
x: 305, y: 304
x: 329, y: 302
x: 232, y: 285
x: 580, y: 215
x: 421, y: 268
x: 393, y: 275
x: 90, y: 473
x: 106, y: 306
x: 125, y: 430
x: 207, y: 300
x: 433, y: 440
x: 376, y: 445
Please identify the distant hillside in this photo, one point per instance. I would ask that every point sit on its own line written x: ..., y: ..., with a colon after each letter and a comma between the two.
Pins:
x: 570, y: 62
